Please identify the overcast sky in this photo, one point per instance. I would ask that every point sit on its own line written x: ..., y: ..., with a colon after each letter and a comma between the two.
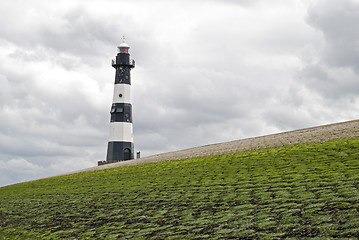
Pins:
x: 207, y: 71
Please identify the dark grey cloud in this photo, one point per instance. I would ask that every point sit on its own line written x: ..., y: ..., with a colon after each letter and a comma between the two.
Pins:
x: 331, y: 83
x: 337, y: 23
x: 61, y: 34
x: 332, y: 68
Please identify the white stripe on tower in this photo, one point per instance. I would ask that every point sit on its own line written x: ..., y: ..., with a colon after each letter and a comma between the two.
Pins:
x: 120, y: 132
x: 122, y: 93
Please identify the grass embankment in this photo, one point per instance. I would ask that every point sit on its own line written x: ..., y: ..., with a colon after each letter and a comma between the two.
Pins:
x: 305, y: 190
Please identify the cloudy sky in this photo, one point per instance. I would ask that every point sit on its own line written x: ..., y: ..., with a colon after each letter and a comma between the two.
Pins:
x: 207, y: 71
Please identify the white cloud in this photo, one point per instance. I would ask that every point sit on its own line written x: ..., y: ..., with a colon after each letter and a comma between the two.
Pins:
x: 20, y: 165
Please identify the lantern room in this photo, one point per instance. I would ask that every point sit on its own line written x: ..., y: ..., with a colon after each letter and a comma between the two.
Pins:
x: 123, y: 48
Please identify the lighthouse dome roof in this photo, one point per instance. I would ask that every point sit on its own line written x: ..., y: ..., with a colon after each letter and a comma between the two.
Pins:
x: 123, y: 45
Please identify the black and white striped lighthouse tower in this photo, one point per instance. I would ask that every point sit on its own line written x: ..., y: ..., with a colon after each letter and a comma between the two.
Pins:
x: 120, y: 144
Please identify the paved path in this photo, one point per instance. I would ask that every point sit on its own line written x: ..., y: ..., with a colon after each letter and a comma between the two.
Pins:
x: 315, y: 134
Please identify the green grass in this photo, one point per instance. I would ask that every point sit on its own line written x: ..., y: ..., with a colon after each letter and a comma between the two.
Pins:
x: 302, y: 191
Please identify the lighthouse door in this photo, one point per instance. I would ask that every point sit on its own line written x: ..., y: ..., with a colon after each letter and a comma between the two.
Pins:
x: 127, y: 154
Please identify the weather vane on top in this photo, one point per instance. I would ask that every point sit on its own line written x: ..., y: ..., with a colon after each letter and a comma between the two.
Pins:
x: 123, y: 38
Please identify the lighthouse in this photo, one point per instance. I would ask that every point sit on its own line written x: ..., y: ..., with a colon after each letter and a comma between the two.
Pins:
x: 120, y: 144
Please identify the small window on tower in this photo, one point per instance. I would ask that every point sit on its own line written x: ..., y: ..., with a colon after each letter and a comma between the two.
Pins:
x: 119, y: 109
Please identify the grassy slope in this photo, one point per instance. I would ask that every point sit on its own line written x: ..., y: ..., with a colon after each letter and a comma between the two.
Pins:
x: 304, y: 190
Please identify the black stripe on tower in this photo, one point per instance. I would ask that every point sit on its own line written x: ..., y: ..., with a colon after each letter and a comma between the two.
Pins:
x: 119, y: 151
x: 123, y: 75
x: 123, y: 65
x: 123, y: 59
x: 121, y: 112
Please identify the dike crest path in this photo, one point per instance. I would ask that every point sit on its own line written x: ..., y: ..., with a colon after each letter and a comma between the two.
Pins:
x: 322, y: 133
